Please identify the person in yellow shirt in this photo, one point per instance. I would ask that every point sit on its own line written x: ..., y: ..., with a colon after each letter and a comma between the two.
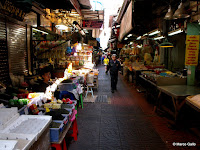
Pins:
x: 106, y: 62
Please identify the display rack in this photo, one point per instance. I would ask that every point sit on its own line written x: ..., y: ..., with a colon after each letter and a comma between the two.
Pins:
x: 81, y: 57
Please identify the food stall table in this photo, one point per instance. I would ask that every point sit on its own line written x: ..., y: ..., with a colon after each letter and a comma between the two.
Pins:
x: 149, y: 87
x: 178, y: 93
x: 194, y: 104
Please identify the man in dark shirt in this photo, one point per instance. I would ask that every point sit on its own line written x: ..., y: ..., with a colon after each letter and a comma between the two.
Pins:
x: 113, y: 66
x: 44, y: 83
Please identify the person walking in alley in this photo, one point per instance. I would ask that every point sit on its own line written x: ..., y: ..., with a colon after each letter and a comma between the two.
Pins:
x: 113, y: 66
x: 106, y: 62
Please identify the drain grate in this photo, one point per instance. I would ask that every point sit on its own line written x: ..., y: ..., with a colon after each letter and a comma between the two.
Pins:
x: 102, y: 99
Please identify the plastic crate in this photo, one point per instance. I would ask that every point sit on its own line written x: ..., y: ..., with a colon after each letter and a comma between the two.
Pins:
x: 74, y: 102
x: 66, y: 106
x: 65, y: 120
x: 56, y: 132
x: 66, y: 86
x: 65, y: 117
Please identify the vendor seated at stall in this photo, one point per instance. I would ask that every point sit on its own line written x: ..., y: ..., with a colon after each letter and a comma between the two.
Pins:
x: 44, y: 83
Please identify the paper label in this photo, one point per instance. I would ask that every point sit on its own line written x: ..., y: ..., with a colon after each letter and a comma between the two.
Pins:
x: 26, y: 111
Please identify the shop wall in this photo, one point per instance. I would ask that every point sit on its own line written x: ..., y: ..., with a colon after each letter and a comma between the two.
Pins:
x: 4, y: 71
x: 176, y: 58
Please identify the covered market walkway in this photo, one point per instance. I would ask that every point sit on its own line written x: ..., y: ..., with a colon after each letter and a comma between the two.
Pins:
x: 115, y: 121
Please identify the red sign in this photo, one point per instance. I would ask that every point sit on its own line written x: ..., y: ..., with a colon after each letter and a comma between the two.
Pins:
x: 92, y: 24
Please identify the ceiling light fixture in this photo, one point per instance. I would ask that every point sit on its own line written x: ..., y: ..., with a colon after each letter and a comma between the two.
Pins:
x: 40, y: 31
x: 82, y: 32
x: 77, y: 25
x: 117, y: 26
x: 169, y: 14
x: 166, y: 44
x: 175, y: 32
x: 180, y: 12
x: 145, y: 34
x: 138, y: 38
x: 129, y: 35
x: 159, y: 37
x: 61, y: 26
x: 126, y: 38
x: 131, y: 42
x: 156, y: 31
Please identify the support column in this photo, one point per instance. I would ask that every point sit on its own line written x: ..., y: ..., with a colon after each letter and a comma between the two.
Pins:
x: 38, y: 20
x: 192, y: 29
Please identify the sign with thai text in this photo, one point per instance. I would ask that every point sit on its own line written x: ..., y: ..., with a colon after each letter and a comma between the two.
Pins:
x: 192, y: 50
x: 92, y: 24
x: 7, y: 8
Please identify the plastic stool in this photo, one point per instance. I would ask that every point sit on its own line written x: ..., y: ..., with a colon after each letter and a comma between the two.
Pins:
x: 74, y: 129
x: 61, y: 146
x: 71, y: 95
x: 89, y: 90
x: 81, y: 101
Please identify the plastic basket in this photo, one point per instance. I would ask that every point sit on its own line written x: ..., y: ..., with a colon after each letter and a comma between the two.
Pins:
x: 66, y: 86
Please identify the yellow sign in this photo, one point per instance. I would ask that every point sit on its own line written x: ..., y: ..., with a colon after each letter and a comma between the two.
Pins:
x: 192, y: 50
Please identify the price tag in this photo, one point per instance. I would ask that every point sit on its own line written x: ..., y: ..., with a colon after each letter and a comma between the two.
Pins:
x: 40, y: 103
x: 26, y: 110
x: 40, y: 113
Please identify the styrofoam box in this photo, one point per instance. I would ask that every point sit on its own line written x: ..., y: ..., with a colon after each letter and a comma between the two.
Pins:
x: 7, y: 116
x: 8, y: 144
x: 28, y: 125
x: 24, y: 143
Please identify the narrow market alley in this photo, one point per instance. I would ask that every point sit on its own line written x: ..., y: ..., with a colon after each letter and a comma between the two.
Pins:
x: 115, y: 121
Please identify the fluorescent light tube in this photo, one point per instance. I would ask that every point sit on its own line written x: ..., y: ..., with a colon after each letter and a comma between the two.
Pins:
x: 158, y: 38
x: 62, y: 27
x: 117, y: 26
x: 153, y: 33
x: 129, y: 35
x: 175, y: 32
x: 138, y: 38
x: 40, y: 31
x: 145, y: 34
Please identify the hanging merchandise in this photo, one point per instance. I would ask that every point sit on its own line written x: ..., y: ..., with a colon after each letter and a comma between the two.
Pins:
x: 73, y: 50
x: 69, y: 50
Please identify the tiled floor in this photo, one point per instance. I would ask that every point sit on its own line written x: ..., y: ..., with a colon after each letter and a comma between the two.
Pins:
x: 123, y: 121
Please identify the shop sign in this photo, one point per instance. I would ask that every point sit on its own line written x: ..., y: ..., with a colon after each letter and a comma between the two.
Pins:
x: 92, y: 42
x: 7, y: 8
x: 92, y: 24
x: 126, y: 23
x: 192, y: 50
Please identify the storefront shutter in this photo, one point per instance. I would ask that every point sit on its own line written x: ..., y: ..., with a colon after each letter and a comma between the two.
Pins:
x: 4, y: 69
x: 16, y: 48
